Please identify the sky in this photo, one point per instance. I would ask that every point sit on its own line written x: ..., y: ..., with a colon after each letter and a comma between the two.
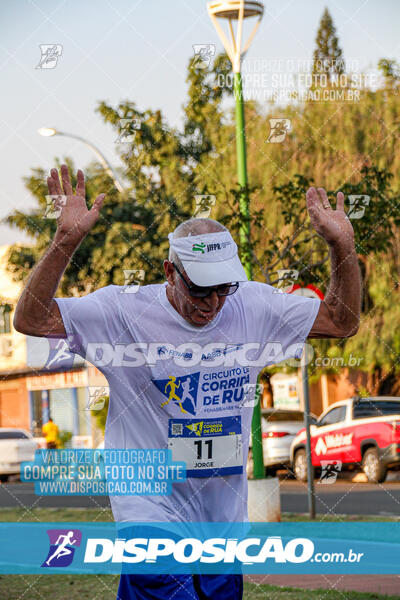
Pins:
x: 138, y: 50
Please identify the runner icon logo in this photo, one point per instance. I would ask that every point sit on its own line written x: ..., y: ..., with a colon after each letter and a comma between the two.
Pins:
x: 330, y: 469
x: 181, y: 390
x: 203, y: 54
x: 50, y: 54
x: 58, y: 352
x: 196, y: 428
x: 62, y: 547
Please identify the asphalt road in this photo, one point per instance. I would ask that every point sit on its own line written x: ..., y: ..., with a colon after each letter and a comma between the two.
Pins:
x: 22, y: 495
x: 342, y: 497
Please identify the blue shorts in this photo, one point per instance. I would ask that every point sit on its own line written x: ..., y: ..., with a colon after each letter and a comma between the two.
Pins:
x: 180, y: 587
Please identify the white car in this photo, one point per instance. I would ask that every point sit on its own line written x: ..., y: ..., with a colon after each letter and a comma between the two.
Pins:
x: 279, y: 426
x: 16, y: 446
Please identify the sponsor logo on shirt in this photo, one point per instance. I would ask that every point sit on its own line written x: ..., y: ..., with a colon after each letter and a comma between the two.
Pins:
x: 181, y: 391
x: 218, y: 390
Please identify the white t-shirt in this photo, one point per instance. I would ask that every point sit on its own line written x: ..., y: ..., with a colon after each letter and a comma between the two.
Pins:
x: 191, y: 395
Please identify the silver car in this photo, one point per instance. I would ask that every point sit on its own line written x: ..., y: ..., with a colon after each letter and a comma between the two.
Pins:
x: 16, y: 446
x: 279, y: 427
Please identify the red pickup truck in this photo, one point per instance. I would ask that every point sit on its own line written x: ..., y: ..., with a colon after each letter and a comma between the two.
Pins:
x: 358, y: 432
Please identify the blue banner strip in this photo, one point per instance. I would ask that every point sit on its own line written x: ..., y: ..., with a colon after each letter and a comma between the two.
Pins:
x: 156, y: 548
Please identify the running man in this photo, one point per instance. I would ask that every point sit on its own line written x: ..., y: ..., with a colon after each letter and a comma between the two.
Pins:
x: 186, y: 394
x: 172, y: 395
x: 62, y: 549
x: 61, y: 354
x: 206, y: 303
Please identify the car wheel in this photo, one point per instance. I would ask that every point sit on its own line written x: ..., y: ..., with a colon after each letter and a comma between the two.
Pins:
x: 300, y: 465
x: 250, y: 466
x: 373, y: 466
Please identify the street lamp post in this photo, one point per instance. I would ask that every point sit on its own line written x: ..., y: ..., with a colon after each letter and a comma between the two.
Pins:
x: 50, y: 131
x: 306, y: 402
x: 238, y: 10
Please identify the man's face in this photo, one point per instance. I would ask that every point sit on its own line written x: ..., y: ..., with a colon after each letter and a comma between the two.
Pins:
x: 196, y: 311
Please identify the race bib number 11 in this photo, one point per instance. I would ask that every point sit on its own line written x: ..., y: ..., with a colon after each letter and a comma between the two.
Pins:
x: 209, y: 447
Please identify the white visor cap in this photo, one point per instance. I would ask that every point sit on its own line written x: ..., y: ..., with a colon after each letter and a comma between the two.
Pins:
x: 210, y: 258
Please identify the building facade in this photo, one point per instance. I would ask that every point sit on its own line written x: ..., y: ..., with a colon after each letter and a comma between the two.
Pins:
x: 40, y: 378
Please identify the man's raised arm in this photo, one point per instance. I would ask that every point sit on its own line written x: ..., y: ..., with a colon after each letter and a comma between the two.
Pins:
x: 339, y: 312
x: 37, y: 312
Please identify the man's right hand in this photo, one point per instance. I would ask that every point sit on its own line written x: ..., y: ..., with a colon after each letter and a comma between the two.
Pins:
x: 37, y: 312
x: 75, y: 220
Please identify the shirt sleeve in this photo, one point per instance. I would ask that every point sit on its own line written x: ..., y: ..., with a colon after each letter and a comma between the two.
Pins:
x: 298, y: 314
x: 284, y: 318
x: 91, y: 319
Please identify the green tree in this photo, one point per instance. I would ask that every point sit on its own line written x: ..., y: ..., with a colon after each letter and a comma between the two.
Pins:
x: 163, y: 170
x: 299, y: 248
x: 328, y: 57
x: 390, y: 70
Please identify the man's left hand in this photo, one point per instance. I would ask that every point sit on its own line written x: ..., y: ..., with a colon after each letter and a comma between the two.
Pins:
x: 332, y: 225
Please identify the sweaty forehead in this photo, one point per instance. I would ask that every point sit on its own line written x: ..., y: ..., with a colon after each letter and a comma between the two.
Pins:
x: 197, y: 227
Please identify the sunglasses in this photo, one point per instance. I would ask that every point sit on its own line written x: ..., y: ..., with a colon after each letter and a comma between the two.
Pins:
x: 196, y: 291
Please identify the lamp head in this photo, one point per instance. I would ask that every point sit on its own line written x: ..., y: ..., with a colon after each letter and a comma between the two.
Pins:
x: 238, y: 11
x: 47, y: 131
